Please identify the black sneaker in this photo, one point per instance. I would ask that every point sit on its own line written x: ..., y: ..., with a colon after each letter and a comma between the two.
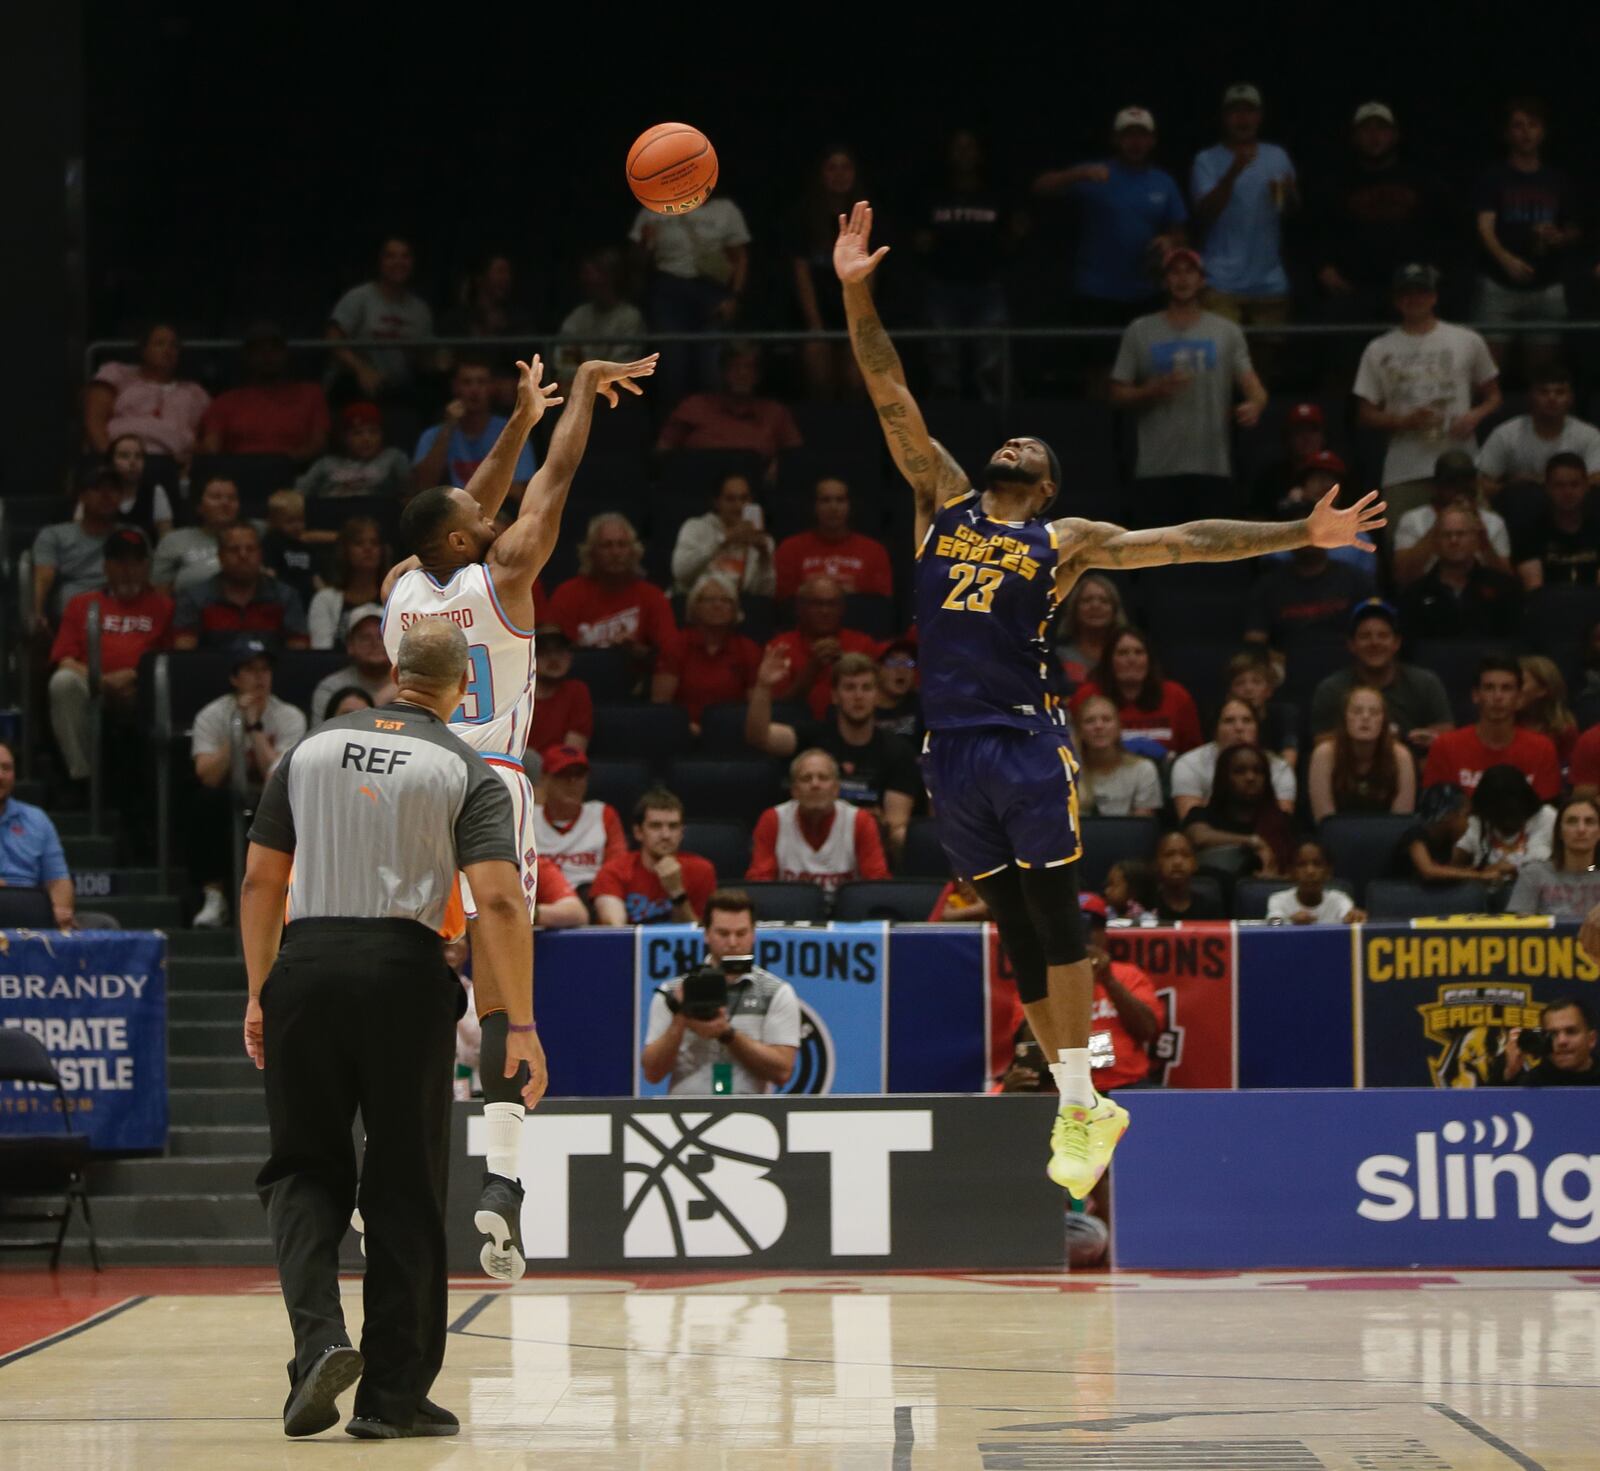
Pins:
x: 310, y: 1408
x: 499, y: 1217
x: 434, y: 1419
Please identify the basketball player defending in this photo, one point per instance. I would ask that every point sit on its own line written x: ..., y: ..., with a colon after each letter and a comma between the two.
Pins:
x: 1002, y: 778
x: 466, y: 570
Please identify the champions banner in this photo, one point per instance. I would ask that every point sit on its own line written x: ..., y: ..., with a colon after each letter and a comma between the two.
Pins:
x: 97, y: 999
x: 1435, y: 999
x: 840, y: 975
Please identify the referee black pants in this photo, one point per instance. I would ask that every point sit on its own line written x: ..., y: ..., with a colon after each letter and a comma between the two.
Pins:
x: 360, y: 1014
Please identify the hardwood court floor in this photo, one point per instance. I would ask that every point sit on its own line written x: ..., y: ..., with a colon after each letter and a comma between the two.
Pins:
x: 717, y: 1372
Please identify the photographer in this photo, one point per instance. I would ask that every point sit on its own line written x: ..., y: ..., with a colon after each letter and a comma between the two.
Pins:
x: 727, y: 1027
x: 1559, y: 1054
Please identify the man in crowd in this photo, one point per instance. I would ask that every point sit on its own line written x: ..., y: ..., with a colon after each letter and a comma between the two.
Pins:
x: 386, y: 307
x: 736, y: 418
x: 1309, y: 595
x: 1462, y: 756
x: 612, y: 328
x: 1241, y: 188
x: 1304, y: 440
x: 1417, y: 536
x: 899, y: 710
x: 1130, y: 213
x: 859, y: 564
x: 69, y: 556
x: 1418, y: 705
x: 190, y: 554
x: 30, y: 853
x: 755, y: 1036
x: 1562, y: 548
x: 267, y: 726
x: 240, y: 599
x: 1179, y: 370
x: 1425, y: 384
x: 579, y: 834
x: 365, y: 465
x: 878, y: 771
x: 369, y: 668
x: 1461, y: 596
x: 1570, y: 1062
x: 449, y: 452
x: 1128, y: 1014
x: 816, y: 837
x: 270, y: 414
x: 814, y: 645
x: 609, y: 604
x: 134, y: 620
x: 563, y: 708
x: 659, y: 884
x: 1518, y: 451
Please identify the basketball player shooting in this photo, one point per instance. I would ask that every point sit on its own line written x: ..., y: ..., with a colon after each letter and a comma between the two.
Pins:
x: 991, y: 569
x: 465, y: 569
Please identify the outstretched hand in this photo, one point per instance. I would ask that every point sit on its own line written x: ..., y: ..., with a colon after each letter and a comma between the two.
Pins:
x: 621, y: 374
x: 534, y: 395
x: 853, y: 260
x: 1328, y: 527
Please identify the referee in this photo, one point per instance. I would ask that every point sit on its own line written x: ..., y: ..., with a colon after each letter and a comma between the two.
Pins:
x: 362, y: 829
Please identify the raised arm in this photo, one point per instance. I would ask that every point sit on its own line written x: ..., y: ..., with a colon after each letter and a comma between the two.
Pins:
x: 491, y: 481
x: 926, y: 464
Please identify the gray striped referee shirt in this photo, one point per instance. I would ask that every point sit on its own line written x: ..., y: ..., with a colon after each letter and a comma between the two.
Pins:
x: 380, y: 809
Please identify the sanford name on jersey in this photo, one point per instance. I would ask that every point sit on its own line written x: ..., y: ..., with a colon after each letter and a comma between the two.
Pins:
x: 462, y: 617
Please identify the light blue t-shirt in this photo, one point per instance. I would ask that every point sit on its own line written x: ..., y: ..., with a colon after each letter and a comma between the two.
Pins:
x: 467, y: 453
x: 1242, y: 250
x: 30, y: 850
x: 1119, y: 219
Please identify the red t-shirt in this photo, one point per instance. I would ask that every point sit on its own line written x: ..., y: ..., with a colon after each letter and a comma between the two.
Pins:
x: 710, y: 679
x: 870, y: 862
x: 1174, y: 723
x: 1130, y: 1060
x: 597, y: 617
x: 726, y: 421
x: 552, y: 883
x: 127, y: 630
x: 267, y: 418
x: 567, y: 707
x: 857, y: 562
x: 1459, y: 756
x: 626, y: 878
x: 820, y: 695
x: 1586, y: 759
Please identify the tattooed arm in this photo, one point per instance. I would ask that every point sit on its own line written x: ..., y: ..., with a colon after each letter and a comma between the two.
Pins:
x: 933, y: 474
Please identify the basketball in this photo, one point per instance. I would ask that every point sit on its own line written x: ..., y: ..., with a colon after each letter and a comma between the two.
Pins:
x: 672, y: 168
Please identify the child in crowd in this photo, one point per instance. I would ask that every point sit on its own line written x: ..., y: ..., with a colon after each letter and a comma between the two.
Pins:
x: 1311, y: 901
x: 1429, y: 847
x: 367, y: 466
x: 1130, y: 890
x: 1175, y: 895
x: 1509, y: 826
x: 287, y: 550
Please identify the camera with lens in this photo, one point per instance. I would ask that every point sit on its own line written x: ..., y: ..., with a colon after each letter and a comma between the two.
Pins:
x: 705, y: 989
x: 1534, y: 1043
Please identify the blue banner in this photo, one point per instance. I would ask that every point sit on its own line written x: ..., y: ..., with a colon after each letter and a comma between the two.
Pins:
x: 1296, y: 1021
x: 97, y: 999
x: 840, y: 975
x: 1501, y: 1177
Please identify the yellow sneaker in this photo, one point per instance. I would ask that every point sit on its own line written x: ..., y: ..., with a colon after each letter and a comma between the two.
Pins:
x: 1082, y: 1141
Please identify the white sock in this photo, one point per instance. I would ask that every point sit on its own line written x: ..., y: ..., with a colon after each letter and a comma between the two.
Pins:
x: 503, y: 1125
x: 1072, y: 1077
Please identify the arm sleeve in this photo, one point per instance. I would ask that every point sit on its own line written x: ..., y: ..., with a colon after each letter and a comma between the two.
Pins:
x: 346, y: 313
x: 210, y: 732
x: 424, y: 444
x: 1411, y: 530
x: 322, y: 621
x: 1369, y: 383
x: 274, y: 822
x: 1494, y: 460
x: 1188, y: 776
x: 1239, y: 353
x: 738, y: 231
x: 45, y: 551
x: 1499, y: 536
x: 781, y: 1028
x: 1176, y: 212
x: 1283, y: 783
x: 1282, y: 904
x: 1126, y: 367
x: 1482, y: 368
x: 485, y: 826
x: 553, y: 886
x: 164, y: 569
x: 694, y: 549
x: 660, y: 1018
x: 870, y: 862
x: 1204, y: 172
x: 764, y: 847
x: 52, y: 861
x: 616, y: 839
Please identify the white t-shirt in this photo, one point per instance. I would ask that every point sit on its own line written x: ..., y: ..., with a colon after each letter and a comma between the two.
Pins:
x: 1438, y: 369
x: 213, y: 727
x: 1285, y: 904
x: 692, y: 245
x: 1194, y: 771
x: 1515, y: 452
x: 1134, y: 784
x: 1534, y: 841
x: 1418, y: 522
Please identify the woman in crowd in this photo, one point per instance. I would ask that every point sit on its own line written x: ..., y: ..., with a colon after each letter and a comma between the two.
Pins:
x: 1158, y: 712
x: 726, y: 540
x: 830, y: 367
x: 1567, y: 884
x: 359, y: 561
x: 146, y: 398
x: 144, y: 503
x: 1112, y: 782
x: 1242, y: 813
x: 710, y: 663
x: 345, y: 702
x: 1091, y: 616
x: 1361, y: 767
x: 1544, y: 703
x: 1508, y: 827
x: 1254, y: 678
x: 1237, y: 725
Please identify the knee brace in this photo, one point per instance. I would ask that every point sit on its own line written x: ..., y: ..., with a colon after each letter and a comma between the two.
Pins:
x: 497, y: 1087
x: 1051, y: 896
x: 1002, y: 892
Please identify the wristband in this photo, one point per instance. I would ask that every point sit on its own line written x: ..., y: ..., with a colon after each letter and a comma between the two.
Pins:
x: 255, y: 729
x: 513, y: 1027
x: 726, y: 1038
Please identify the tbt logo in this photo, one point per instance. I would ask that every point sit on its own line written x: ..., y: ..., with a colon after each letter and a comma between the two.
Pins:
x: 1476, y: 1185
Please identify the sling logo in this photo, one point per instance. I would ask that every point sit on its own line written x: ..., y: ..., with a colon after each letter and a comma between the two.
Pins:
x: 698, y: 1184
x: 1475, y: 1185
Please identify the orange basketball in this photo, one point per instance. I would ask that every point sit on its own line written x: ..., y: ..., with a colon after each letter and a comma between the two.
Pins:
x: 672, y: 168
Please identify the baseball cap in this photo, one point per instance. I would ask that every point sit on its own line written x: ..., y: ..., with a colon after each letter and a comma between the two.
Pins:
x: 1133, y: 117
x: 1242, y: 94
x: 361, y: 614
x: 899, y: 646
x: 243, y: 649
x: 1325, y: 459
x: 126, y: 543
x: 1455, y: 464
x: 558, y: 759
x: 360, y: 413
x: 1182, y: 252
x: 1370, y: 110
x: 1416, y: 277
x: 1094, y: 906
x: 1303, y: 414
x: 1374, y: 608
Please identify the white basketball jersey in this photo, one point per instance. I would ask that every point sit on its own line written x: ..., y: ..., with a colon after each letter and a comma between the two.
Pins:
x: 832, y: 864
x: 494, y: 714
x: 580, y: 850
